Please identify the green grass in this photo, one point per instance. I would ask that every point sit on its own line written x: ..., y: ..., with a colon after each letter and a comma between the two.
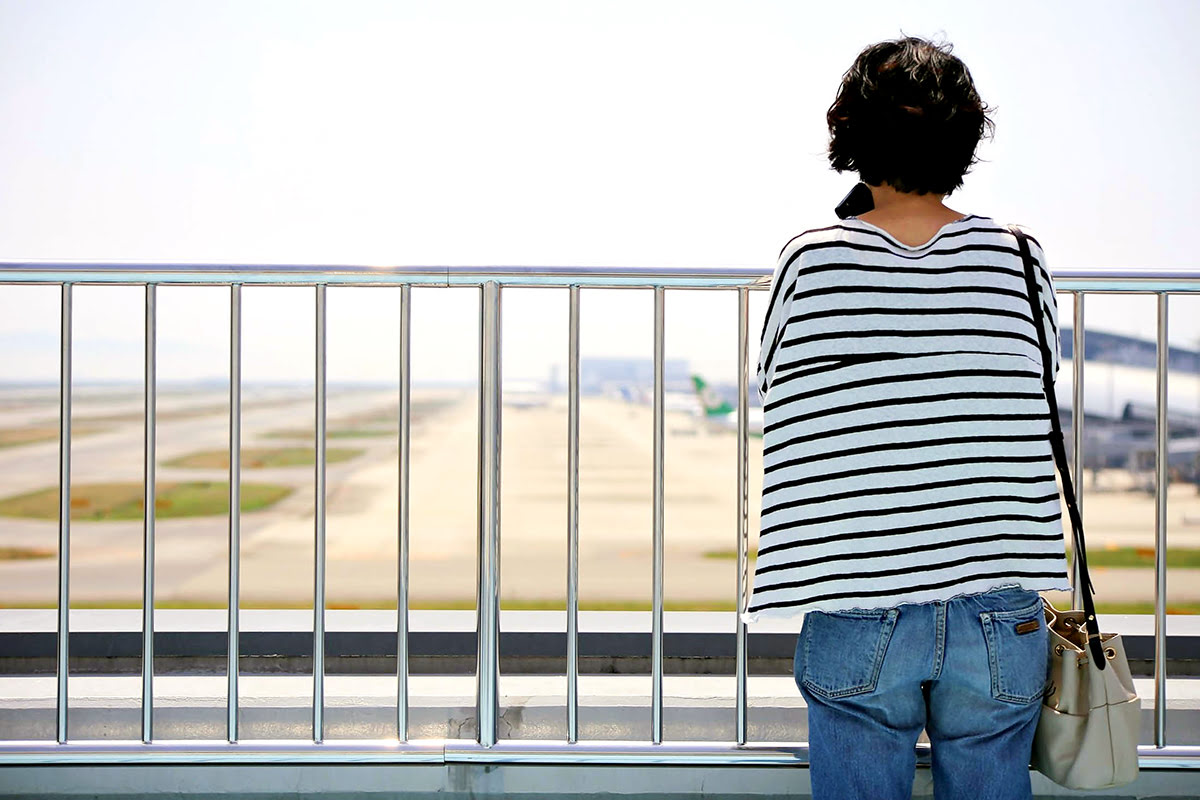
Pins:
x: 162, y: 416
x: 363, y: 424
x: 339, y: 433
x: 16, y: 437
x: 728, y: 553
x: 383, y: 421
x: 190, y: 412
x: 47, y: 430
x: 1139, y: 608
x: 124, y: 501
x: 262, y: 457
x: 1177, y: 558
x: 25, y: 553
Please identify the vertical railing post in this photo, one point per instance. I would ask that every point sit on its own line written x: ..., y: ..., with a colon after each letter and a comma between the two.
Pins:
x: 1160, y: 530
x: 233, y: 647
x: 656, y: 636
x: 403, y: 509
x: 487, y: 696
x: 573, y: 518
x: 318, y: 711
x: 1077, y: 361
x: 64, y: 516
x: 743, y: 502
x: 148, y: 519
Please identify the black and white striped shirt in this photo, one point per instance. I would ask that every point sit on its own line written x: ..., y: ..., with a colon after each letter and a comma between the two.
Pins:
x: 906, y: 456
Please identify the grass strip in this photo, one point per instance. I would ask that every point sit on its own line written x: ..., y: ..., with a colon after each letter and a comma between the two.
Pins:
x: 340, y: 433
x: 16, y: 437
x: 383, y: 421
x: 102, y: 502
x: 1177, y: 558
x: 25, y: 553
x: 262, y: 457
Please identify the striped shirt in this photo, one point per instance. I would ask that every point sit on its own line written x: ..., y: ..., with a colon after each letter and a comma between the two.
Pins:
x: 906, y: 455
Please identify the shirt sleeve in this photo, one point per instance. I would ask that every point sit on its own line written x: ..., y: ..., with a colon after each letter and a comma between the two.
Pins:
x: 1049, y: 302
x: 783, y: 285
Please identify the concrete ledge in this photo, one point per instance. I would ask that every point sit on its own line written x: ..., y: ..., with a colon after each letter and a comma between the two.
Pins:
x: 443, y: 642
x: 532, y: 707
x: 512, y: 782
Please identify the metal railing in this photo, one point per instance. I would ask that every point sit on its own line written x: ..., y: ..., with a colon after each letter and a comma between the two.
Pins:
x: 487, y: 746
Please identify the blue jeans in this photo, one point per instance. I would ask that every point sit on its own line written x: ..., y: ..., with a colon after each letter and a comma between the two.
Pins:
x: 966, y: 670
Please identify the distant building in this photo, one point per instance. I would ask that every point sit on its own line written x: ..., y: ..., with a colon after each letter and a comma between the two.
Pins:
x: 600, y: 375
x: 1116, y: 348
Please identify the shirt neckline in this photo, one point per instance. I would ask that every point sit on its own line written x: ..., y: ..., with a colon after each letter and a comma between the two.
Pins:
x: 940, y: 232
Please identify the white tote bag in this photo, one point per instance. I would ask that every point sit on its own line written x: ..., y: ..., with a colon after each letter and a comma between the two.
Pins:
x: 1087, y: 735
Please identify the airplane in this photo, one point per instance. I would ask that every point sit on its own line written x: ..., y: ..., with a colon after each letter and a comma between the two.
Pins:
x: 525, y: 394
x: 1119, y: 419
x: 717, y: 413
x: 721, y: 414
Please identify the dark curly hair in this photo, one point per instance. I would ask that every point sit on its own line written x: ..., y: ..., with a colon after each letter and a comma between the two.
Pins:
x: 907, y: 113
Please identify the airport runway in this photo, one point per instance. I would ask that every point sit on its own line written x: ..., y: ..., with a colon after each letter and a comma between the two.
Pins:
x: 616, y: 517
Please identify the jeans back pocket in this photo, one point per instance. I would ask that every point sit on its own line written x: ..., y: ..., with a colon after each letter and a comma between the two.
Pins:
x: 1017, y: 642
x: 843, y: 651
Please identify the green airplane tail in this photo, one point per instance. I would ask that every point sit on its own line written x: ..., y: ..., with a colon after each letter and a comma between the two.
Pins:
x: 713, y: 406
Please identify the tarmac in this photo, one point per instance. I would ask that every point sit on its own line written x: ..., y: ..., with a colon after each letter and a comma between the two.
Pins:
x: 615, y: 526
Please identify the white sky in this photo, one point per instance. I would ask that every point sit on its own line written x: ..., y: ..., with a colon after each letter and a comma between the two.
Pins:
x: 566, y: 133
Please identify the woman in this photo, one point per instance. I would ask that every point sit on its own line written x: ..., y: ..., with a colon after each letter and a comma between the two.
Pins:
x: 910, y: 509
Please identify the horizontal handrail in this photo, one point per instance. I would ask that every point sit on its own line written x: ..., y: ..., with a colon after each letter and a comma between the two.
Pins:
x: 105, y: 272
x: 368, y: 275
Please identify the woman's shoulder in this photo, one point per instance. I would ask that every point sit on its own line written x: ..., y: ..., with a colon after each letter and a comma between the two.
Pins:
x: 835, y: 232
x: 1025, y: 229
x: 984, y: 225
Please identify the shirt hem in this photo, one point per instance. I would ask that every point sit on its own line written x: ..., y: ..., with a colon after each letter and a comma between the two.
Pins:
x: 901, y: 598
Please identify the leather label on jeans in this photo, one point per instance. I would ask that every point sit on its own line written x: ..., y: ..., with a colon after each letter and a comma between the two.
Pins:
x: 1029, y: 627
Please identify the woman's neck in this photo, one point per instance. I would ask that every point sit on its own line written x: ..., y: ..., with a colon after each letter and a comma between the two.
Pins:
x: 911, y: 219
x: 891, y: 205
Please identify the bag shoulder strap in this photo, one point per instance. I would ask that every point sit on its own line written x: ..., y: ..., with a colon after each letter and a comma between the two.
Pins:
x: 1058, y: 445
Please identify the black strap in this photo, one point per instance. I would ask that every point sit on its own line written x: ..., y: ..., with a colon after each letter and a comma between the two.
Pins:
x: 1058, y: 445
